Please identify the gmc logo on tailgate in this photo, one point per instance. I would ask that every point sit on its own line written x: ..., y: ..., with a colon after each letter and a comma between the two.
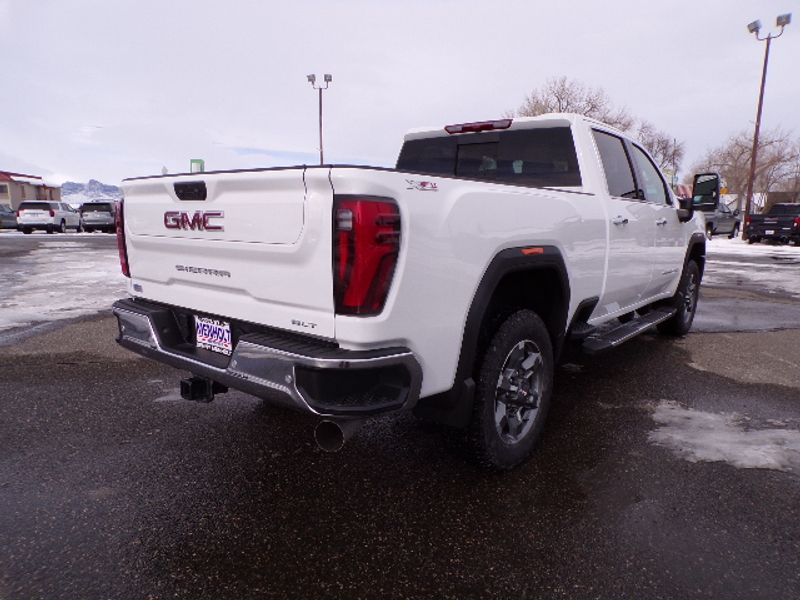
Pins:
x: 200, y: 220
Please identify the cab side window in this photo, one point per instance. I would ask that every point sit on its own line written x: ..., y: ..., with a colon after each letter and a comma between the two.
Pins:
x: 617, y: 166
x: 650, y: 180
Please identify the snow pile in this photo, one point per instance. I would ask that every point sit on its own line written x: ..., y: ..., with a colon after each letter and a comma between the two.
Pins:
x: 759, y: 267
x: 60, y: 280
x: 717, y: 246
x: 699, y: 436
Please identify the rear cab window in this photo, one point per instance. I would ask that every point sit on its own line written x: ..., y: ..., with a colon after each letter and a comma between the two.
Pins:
x: 103, y: 207
x: 34, y: 206
x: 535, y: 157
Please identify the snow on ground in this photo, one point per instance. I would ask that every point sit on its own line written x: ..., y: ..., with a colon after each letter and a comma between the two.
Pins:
x: 699, y: 436
x: 59, y: 280
x: 762, y: 267
x: 721, y: 245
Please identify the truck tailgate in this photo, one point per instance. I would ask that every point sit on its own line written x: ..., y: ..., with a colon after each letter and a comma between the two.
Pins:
x: 254, y: 245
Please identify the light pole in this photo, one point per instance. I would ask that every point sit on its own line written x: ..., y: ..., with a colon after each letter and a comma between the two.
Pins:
x: 312, y: 79
x: 755, y: 27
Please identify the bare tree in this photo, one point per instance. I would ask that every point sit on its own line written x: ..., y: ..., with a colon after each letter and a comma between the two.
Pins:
x: 666, y: 150
x: 560, y: 94
x: 777, y: 162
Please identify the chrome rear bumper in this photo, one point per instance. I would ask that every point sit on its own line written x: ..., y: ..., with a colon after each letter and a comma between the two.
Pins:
x: 314, y: 377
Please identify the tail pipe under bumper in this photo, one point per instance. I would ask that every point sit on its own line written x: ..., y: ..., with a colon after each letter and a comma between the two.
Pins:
x: 311, y: 376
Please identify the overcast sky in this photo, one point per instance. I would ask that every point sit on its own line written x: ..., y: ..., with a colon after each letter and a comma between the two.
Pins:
x: 108, y: 89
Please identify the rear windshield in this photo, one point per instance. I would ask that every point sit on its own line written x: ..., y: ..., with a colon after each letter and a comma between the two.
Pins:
x: 542, y: 157
x: 96, y: 207
x: 34, y: 206
x: 785, y: 209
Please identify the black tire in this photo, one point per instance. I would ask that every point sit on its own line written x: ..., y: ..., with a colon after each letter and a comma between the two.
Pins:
x: 50, y: 229
x: 513, y: 394
x: 734, y: 232
x: 62, y: 228
x: 752, y: 240
x: 685, y: 300
x: 79, y: 228
x: 88, y: 230
x: 27, y: 230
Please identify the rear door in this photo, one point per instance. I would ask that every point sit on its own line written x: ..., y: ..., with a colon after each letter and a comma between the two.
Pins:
x: 631, y: 228
x: 254, y: 246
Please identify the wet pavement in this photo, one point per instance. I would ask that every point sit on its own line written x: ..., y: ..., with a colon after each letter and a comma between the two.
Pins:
x: 112, y: 488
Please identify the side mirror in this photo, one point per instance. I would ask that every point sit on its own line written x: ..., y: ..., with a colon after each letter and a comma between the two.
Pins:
x: 705, y: 191
x: 685, y: 210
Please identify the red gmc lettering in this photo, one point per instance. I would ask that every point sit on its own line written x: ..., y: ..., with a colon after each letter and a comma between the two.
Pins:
x: 199, y: 220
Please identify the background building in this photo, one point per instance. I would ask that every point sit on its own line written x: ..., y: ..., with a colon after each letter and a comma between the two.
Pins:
x: 15, y: 188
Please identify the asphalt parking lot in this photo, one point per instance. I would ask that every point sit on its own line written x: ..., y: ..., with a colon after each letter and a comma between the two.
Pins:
x: 668, y: 469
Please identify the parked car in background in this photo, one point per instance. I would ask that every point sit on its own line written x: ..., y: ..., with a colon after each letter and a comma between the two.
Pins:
x: 8, y: 218
x: 723, y: 220
x: 781, y: 223
x: 718, y: 217
x: 98, y: 216
x: 47, y: 216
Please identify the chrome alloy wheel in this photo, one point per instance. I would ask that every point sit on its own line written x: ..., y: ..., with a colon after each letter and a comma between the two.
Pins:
x: 518, y: 391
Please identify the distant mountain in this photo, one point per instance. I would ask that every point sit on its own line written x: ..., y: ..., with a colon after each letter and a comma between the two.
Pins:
x: 77, y: 193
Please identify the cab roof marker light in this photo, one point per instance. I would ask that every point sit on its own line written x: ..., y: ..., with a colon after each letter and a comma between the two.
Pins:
x: 478, y: 126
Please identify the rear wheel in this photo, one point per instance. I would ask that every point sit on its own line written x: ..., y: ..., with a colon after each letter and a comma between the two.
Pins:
x: 50, y: 229
x: 27, y: 230
x: 513, y: 393
x: 62, y: 228
x: 685, y: 301
x: 734, y: 231
x: 88, y: 230
x: 752, y: 240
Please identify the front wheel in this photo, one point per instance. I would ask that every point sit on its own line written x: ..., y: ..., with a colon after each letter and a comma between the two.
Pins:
x: 513, y: 392
x: 734, y: 232
x: 685, y: 301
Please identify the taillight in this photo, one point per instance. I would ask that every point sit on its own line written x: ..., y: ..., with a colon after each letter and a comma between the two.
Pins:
x: 748, y: 219
x: 52, y: 213
x: 119, y: 224
x: 797, y: 221
x: 366, y: 242
x: 19, y: 212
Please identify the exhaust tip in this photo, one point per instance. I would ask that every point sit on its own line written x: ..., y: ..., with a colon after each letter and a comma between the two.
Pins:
x: 329, y: 436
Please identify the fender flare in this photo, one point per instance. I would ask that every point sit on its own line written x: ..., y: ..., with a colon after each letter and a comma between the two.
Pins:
x: 697, y: 239
x: 454, y: 406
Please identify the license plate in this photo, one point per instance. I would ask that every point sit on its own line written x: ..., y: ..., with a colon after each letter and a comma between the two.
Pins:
x: 214, y: 335
x: 770, y: 232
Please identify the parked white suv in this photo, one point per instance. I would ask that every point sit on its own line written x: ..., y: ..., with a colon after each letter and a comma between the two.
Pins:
x: 47, y: 216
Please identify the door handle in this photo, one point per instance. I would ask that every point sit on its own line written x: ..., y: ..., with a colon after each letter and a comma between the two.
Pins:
x: 620, y: 220
x: 661, y: 222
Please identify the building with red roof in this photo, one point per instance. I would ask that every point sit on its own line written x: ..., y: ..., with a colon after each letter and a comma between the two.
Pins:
x: 15, y: 188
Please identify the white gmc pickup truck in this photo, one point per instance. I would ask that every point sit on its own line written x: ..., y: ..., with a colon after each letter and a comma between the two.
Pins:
x: 449, y: 285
